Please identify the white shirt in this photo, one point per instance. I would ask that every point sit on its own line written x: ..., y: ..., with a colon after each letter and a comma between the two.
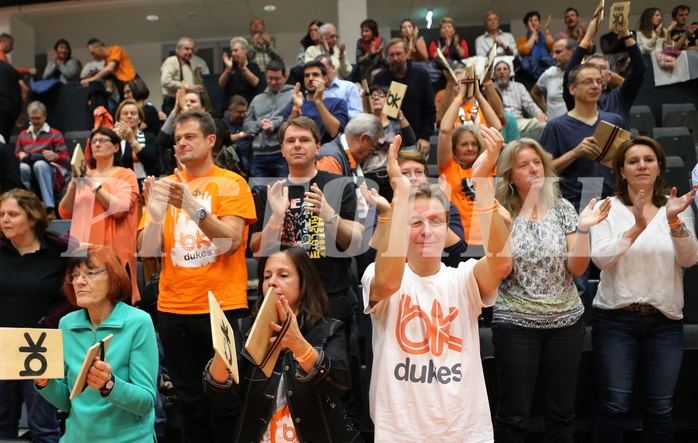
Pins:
x: 427, y: 383
x: 550, y: 82
x: 646, y: 271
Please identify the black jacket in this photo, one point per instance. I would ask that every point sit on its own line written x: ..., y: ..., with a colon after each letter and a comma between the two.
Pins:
x: 313, y: 398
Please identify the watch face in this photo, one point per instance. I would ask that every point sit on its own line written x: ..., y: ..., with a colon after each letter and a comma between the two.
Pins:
x: 109, y: 385
x: 201, y: 213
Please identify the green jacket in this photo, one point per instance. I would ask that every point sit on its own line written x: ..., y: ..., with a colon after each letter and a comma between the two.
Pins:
x: 127, y: 414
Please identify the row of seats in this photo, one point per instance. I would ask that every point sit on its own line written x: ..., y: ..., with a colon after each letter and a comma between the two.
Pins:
x: 673, y: 115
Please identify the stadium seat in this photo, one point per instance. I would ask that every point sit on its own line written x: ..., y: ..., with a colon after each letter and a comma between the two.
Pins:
x: 677, y: 142
x: 677, y: 174
x: 681, y: 114
x: 642, y: 119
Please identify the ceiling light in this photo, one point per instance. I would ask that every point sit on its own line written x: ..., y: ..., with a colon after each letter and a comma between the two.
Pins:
x: 152, y: 18
x: 430, y: 14
x: 270, y: 8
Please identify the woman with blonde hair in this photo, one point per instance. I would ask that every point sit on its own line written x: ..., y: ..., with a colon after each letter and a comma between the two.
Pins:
x: 537, y: 322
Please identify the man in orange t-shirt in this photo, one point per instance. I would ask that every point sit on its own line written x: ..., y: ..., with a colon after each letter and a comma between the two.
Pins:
x: 117, y: 65
x: 198, y: 219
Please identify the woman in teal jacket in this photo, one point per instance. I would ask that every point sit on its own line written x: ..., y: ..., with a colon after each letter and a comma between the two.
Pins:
x: 118, y: 404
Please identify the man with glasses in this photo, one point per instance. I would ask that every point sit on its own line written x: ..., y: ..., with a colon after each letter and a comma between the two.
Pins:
x: 328, y: 45
x: 617, y: 100
x: 264, y: 117
x: 569, y: 138
x: 418, y: 103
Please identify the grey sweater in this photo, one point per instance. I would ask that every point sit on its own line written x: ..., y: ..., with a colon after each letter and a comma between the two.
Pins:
x: 271, y: 106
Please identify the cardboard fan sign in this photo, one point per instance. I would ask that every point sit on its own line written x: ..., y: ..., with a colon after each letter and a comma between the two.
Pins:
x: 393, y: 101
x: 258, y: 345
x: 97, y: 349
x: 223, y: 338
x: 619, y: 16
x: 29, y: 353
x: 609, y: 137
x: 77, y: 163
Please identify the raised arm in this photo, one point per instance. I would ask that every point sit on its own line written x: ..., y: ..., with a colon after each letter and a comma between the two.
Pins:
x: 390, y: 259
x: 444, y: 152
x: 496, y: 264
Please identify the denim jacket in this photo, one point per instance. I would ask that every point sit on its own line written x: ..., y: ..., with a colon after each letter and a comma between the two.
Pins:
x: 313, y: 398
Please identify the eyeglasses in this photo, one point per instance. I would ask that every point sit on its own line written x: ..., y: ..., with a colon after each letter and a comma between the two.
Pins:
x: 100, y: 141
x: 333, y: 36
x: 376, y: 96
x: 592, y: 81
x: 89, y: 276
x: 412, y: 173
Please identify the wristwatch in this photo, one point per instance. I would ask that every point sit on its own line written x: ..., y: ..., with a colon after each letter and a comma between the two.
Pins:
x: 201, y: 213
x: 332, y: 219
x: 108, y: 386
x: 677, y: 230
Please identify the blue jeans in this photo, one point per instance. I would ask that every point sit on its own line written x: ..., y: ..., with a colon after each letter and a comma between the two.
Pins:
x: 41, y: 172
x: 520, y: 354
x: 269, y: 165
x: 629, y: 346
x: 41, y: 415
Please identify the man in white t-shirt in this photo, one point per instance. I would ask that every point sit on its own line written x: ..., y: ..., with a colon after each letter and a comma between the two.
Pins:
x: 547, y: 92
x: 427, y: 381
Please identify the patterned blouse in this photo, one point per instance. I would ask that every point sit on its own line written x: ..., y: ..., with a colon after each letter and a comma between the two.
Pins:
x: 540, y: 292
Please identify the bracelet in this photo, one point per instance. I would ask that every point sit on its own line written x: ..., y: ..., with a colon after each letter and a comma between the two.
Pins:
x: 97, y: 188
x: 306, y: 355
x: 676, y: 224
x: 273, y: 226
x: 489, y: 209
x: 383, y: 219
x: 685, y: 35
x: 584, y: 42
x: 629, y: 36
x: 582, y: 231
x: 296, y: 109
x: 458, y: 99
x: 41, y: 385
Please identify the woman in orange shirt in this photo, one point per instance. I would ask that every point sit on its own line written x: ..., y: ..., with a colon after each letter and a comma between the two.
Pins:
x: 103, y: 204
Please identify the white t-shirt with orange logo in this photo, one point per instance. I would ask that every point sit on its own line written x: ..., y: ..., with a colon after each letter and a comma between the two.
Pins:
x: 427, y: 383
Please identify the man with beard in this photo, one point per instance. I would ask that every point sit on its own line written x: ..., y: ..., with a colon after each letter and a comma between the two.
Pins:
x: 516, y: 100
x: 575, y: 29
x: 418, y: 103
x: 547, y: 92
x: 329, y: 114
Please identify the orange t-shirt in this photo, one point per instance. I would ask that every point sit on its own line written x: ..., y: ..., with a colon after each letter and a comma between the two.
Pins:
x: 191, y: 264
x: 455, y: 174
x: 467, y: 114
x: 124, y: 70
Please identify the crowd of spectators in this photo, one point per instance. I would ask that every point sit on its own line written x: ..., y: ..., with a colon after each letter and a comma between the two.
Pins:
x: 303, y: 153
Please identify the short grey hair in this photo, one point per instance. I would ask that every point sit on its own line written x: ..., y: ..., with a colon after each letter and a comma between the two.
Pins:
x: 184, y: 40
x: 324, y: 58
x: 242, y: 41
x: 36, y: 106
x: 364, y: 124
x: 324, y: 29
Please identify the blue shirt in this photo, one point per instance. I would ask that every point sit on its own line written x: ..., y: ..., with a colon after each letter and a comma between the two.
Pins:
x: 563, y: 134
x: 349, y: 92
x: 336, y: 106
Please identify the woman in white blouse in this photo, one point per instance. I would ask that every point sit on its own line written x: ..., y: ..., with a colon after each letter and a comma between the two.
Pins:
x: 638, y: 327
x: 651, y: 36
